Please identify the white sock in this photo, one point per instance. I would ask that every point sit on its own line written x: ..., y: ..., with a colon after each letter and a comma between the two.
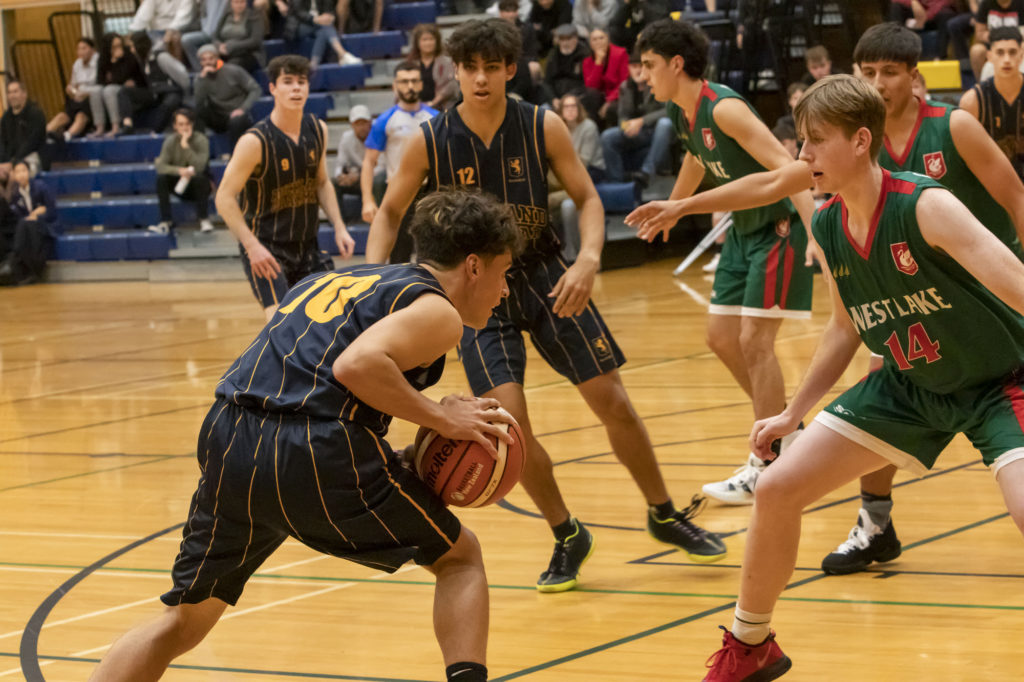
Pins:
x: 751, y: 628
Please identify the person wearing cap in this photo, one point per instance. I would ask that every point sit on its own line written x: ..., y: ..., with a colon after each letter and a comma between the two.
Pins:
x: 224, y: 95
x: 351, y: 150
x: 564, y: 70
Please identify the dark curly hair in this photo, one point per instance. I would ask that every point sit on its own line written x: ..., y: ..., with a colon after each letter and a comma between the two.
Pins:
x: 669, y: 38
x: 452, y: 223
x: 492, y: 39
x: 291, y: 64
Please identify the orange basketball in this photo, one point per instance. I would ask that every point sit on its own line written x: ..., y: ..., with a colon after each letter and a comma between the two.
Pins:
x: 462, y: 473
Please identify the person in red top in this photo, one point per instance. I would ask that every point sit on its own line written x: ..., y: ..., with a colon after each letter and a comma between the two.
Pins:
x: 604, y: 71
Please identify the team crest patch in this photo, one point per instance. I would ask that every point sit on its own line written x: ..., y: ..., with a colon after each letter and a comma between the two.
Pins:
x: 904, y: 260
x: 312, y: 156
x: 709, y: 138
x: 515, y: 168
x: 285, y: 165
x: 782, y: 227
x: 935, y: 165
x: 601, y: 347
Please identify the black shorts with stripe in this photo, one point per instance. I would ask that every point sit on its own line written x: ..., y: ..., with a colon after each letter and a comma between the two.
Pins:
x: 579, y: 348
x: 334, y: 486
x: 296, y: 260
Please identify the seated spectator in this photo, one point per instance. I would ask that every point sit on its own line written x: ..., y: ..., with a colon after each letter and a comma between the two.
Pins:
x: 586, y: 142
x: 238, y: 37
x: 564, y: 70
x: 225, y: 94
x: 73, y: 121
x: 526, y: 82
x: 604, y: 70
x: 925, y: 15
x: 360, y: 16
x: 118, y: 67
x: 314, y: 19
x: 440, y: 89
x: 591, y: 14
x: 961, y: 28
x: 22, y: 131
x: 156, y: 16
x: 785, y: 133
x: 632, y: 17
x: 644, y: 131
x: 793, y: 95
x: 162, y: 94
x: 818, y: 63
x: 35, y: 210
x: 349, y: 161
x: 545, y: 17
x: 183, y: 168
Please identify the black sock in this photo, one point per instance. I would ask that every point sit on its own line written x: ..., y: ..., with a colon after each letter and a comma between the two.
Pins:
x: 466, y: 671
x: 563, y: 530
x: 663, y: 511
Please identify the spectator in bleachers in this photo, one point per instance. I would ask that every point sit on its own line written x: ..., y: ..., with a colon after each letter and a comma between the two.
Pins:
x: 359, y: 16
x: 591, y: 14
x: 586, y: 142
x: 162, y: 94
x: 156, y: 16
x: 925, y: 15
x: 388, y: 135
x: 604, y: 70
x: 225, y: 94
x: 314, y: 19
x: 183, y: 168
x: 525, y: 83
x: 440, y: 89
x: 785, y: 133
x: 33, y: 206
x: 238, y: 37
x: 545, y: 17
x: 992, y: 14
x: 564, y: 71
x: 73, y: 121
x: 996, y: 101
x: 644, y: 129
x: 632, y: 17
x: 961, y: 28
x: 793, y: 95
x: 349, y: 162
x: 22, y: 131
x: 818, y: 63
x: 118, y: 67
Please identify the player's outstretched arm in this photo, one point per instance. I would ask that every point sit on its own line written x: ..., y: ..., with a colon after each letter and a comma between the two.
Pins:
x: 946, y: 224
x: 417, y: 335
x: 658, y: 217
x: 244, y: 160
x: 839, y: 342
x: 750, y: 191
x: 572, y: 291
x: 329, y: 201
x: 983, y: 158
x: 401, y: 191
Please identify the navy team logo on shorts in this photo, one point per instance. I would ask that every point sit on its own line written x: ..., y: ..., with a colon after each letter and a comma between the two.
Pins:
x: 709, y: 138
x: 935, y: 165
x: 905, y: 262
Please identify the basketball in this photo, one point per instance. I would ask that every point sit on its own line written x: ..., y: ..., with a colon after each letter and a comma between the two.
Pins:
x: 462, y: 473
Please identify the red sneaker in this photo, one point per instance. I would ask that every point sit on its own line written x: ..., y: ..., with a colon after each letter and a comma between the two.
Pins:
x: 739, y: 662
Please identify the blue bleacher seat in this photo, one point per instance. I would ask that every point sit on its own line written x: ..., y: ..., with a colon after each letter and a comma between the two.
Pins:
x: 137, y: 178
x: 405, y: 15
x: 618, y: 197
x: 363, y: 45
x: 329, y: 77
x: 122, y: 212
x: 113, y: 245
x: 358, y: 231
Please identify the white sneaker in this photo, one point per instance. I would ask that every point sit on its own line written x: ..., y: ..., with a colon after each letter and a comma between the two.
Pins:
x: 160, y: 228
x: 738, y: 488
x: 712, y: 264
x: 348, y: 59
x: 205, y: 225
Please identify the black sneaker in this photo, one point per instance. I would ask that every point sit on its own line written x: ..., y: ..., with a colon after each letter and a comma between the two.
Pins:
x: 641, y: 178
x: 700, y: 545
x: 867, y: 543
x: 564, y: 570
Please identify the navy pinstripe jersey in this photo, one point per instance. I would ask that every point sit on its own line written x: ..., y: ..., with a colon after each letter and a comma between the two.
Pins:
x: 514, y: 168
x: 288, y: 367
x: 279, y: 200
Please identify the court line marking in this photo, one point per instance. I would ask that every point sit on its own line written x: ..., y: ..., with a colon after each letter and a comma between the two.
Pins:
x: 160, y: 458
x: 121, y: 420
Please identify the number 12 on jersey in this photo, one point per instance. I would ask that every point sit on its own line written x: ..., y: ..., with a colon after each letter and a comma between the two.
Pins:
x: 919, y: 345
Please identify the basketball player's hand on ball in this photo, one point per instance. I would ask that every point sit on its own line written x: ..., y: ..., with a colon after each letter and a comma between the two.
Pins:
x: 346, y: 245
x: 470, y: 418
x: 656, y: 217
x: 765, y: 432
x: 572, y: 290
x: 262, y: 262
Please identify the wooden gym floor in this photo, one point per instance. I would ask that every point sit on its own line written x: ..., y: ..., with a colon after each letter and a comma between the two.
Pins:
x: 103, y: 388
